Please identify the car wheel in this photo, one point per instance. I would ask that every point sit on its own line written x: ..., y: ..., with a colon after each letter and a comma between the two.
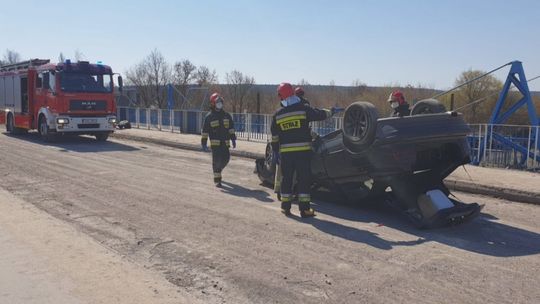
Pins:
x: 359, y: 126
x: 268, y: 159
x: 428, y: 106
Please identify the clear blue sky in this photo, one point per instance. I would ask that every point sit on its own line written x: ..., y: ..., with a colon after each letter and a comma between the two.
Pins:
x: 377, y: 42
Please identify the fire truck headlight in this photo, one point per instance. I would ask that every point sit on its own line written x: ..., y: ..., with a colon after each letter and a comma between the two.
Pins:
x: 62, y: 121
x: 112, y: 120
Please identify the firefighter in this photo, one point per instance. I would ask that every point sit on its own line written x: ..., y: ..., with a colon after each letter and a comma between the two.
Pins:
x: 299, y: 91
x: 398, y: 104
x: 291, y: 143
x: 219, y: 126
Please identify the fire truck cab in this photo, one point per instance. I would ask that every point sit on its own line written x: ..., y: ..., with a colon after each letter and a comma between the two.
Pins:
x: 57, y: 99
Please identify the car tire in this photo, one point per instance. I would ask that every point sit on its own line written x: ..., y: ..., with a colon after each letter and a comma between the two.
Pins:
x: 266, y: 171
x: 428, y: 106
x: 359, y: 126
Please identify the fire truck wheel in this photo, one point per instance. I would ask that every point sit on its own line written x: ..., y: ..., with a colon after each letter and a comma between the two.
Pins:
x: 46, y: 134
x: 10, y: 126
x: 102, y: 137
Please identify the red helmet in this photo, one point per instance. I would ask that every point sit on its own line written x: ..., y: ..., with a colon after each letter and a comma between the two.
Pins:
x: 299, y: 92
x: 214, y: 98
x: 396, y: 96
x: 285, y: 90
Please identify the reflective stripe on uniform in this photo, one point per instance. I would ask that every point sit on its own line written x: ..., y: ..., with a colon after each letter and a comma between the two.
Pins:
x: 214, y: 123
x: 285, y: 198
x: 226, y: 123
x: 215, y: 142
x: 304, y: 198
x: 328, y: 113
x: 285, y: 115
x: 290, y: 116
x: 231, y: 131
x: 217, y: 175
x: 275, y: 139
x: 204, y: 135
x: 296, y: 147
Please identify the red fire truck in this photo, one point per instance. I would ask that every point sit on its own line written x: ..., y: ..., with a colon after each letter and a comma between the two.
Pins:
x: 56, y: 99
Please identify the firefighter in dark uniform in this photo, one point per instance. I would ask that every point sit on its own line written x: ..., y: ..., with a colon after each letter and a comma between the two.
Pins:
x: 219, y: 126
x: 298, y: 91
x: 291, y: 137
x: 398, y: 103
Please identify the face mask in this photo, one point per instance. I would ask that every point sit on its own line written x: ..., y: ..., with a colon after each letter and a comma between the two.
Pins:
x: 219, y: 105
x: 394, y: 104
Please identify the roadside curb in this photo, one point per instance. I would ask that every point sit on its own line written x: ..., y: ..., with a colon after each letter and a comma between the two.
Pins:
x: 504, y: 193
x: 452, y: 184
x: 184, y: 146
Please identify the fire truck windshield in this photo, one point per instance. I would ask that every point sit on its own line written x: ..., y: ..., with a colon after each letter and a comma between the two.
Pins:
x: 85, y: 82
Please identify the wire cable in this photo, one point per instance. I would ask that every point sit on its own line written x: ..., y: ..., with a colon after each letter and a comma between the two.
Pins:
x: 467, y: 82
x: 490, y: 95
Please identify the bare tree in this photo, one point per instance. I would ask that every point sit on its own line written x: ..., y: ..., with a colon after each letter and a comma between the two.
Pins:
x: 11, y: 57
x: 79, y: 55
x: 61, y: 57
x: 184, y: 75
x: 238, y: 87
x: 303, y: 82
x: 150, y: 77
x: 205, y: 77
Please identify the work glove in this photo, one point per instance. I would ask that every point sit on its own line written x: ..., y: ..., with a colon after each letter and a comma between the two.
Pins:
x: 204, y: 147
x: 233, y: 143
x: 275, y: 158
x: 336, y: 110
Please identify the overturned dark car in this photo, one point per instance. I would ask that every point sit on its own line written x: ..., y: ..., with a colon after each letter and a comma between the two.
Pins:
x: 401, y: 159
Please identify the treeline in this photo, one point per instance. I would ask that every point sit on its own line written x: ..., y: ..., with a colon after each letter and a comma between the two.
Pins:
x: 192, y: 86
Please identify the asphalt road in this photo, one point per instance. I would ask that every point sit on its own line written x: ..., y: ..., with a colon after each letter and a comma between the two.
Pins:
x: 157, y: 207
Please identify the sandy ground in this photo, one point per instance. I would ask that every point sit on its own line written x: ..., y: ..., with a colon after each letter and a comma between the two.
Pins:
x: 44, y: 260
x: 155, y: 210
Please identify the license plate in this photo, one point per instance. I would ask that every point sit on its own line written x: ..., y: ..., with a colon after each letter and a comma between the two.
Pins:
x: 89, y: 121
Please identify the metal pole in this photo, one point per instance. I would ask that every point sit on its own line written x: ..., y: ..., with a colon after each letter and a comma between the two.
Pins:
x: 248, y: 127
x: 138, y: 117
x: 171, y: 120
x: 160, y: 118
x: 452, y: 102
x: 536, y: 146
x: 485, y: 145
x: 529, y: 146
x: 479, y: 142
x: 148, y: 118
x: 490, y: 140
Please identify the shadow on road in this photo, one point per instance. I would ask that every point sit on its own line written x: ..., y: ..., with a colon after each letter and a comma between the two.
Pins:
x: 236, y: 190
x: 354, y: 234
x: 483, y: 235
x: 74, y: 143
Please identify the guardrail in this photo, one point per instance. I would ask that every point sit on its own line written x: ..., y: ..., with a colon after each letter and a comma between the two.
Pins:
x: 520, y: 151
x: 505, y: 146
x: 248, y: 126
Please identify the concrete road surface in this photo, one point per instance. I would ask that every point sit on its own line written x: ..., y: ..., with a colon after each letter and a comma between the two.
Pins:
x: 158, y: 208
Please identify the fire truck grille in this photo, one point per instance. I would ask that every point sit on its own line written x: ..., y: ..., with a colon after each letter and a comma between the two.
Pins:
x: 88, y: 126
x: 87, y: 105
